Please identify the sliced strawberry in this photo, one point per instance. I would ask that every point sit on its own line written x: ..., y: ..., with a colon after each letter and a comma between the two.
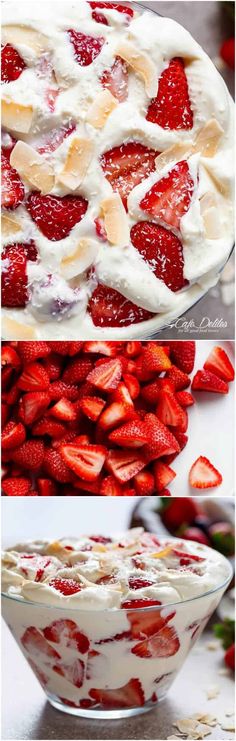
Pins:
x: 85, y: 460
x: 93, y: 487
x: 204, y: 380
x: 65, y: 348
x: 64, y: 410
x: 34, y: 378
x: 161, y: 441
x: 137, y: 604
x: 133, y: 349
x: 164, y: 644
x: 171, y: 109
x: 144, y: 484
x: 9, y: 356
x: 126, y: 166
x: 33, y: 405
x: 12, y: 187
x: 183, y: 354
x: 30, y: 351
x: 124, y: 464
x: 147, y: 624
x: 13, y: 435
x: 4, y: 413
x: 116, y: 78
x: 12, y: 64
x: 47, y: 488
x: 16, y: 487
x: 73, y: 673
x: 110, y: 349
x: 14, y: 278
x: 227, y: 53
x: 169, y: 410
x: 155, y: 358
x: 68, y: 391
x: 108, y: 308
x: 65, y: 586
x: 179, y: 379
x: 54, y: 138
x: 121, y: 409
x: 170, y: 197
x: 128, y: 696
x: 131, y: 435
x: 92, y: 407
x: 53, y: 365
x: 151, y: 392
x: 54, y: 216
x: 77, y: 370
x: 110, y: 487
x: 86, y: 48
x: 184, y: 398
x: 163, y: 475
x: 67, y: 633
x: 97, y: 8
x: 203, y: 474
x: 29, y: 455
x: 219, y: 363
x: 35, y: 643
x: 55, y: 467
x: 50, y: 427
x: 107, y: 375
x: 162, y: 250
x: 132, y: 385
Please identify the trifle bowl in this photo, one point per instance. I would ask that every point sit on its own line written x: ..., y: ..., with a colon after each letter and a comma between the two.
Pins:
x: 106, y: 623
x: 117, y: 171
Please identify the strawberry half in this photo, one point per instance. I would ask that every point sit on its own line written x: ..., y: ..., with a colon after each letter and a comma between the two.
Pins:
x: 92, y: 407
x: 16, y: 487
x: 161, y: 441
x: 86, y: 48
x: 107, y: 375
x: 108, y: 308
x: 162, y: 250
x: 55, y: 467
x: 65, y: 586
x: 204, y: 380
x: 29, y: 455
x: 144, y: 484
x: 219, y: 363
x: 13, y: 435
x: 35, y: 643
x: 124, y: 464
x: 170, y: 197
x: 130, y: 695
x: 169, y: 410
x: 110, y: 349
x: 163, y: 475
x: 116, y: 78
x: 12, y: 64
x: 33, y: 405
x: 155, y: 359
x: 98, y: 7
x: 34, y: 378
x: 14, y: 288
x: 54, y: 216
x: 183, y: 354
x: 126, y: 166
x: 30, y: 351
x: 164, y: 644
x: 171, y: 109
x: 13, y: 191
x: 86, y: 461
x: 131, y: 435
x: 203, y: 475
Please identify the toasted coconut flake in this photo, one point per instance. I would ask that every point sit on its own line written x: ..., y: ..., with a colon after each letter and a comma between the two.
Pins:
x: 32, y: 167
x: 208, y: 139
x: 54, y: 547
x: 100, y: 109
x: 175, y: 153
x: 115, y: 220
x: 162, y: 554
x: 186, y: 725
x: 16, y: 117
x: 141, y: 64
x: 212, y: 692
x: 228, y: 725
x: 13, y: 330
x: 212, y: 645
x: 9, y: 225
x: 79, y: 260
x: 209, y: 720
x: 210, y: 215
x: 25, y: 36
x: 77, y: 163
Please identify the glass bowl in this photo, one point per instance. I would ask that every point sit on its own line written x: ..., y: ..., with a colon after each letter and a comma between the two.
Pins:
x: 110, y: 663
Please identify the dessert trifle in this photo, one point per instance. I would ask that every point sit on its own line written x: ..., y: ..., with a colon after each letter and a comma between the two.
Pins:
x: 107, y: 622
x: 117, y: 170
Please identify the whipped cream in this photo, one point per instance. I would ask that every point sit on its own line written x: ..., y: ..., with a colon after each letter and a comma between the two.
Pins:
x: 57, y: 303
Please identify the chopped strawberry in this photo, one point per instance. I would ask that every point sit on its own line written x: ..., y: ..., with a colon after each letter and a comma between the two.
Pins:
x: 73, y: 673
x: 127, y: 165
x: 13, y: 435
x: 132, y: 385
x: 131, y: 435
x: 124, y: 464
x: 85, y: 460
x: 14, y: 277
x: 46, y: 488
x: 33, y: 405
x: 116, y: 78
x: 180, y: 510
x: 144, y: 484
x: 68, y: 391
x: 92, y: 407
x: 110, y: 487
x: 171, y: 109
x: 107, y: 375
x: 12, y: 187
x: 67, y: 633
x: 183, y: 354
x: 53, y: 139
x: 133, y: 349
x: 86, y: 48
x: 65, y: 348
x: 179, y: 379
x: 230, y: 657
x: 164, y: 644
x: 108, y: 308
x: 184, y: 398
x: 137, y: 604
x: 34, y: 378
x: 55, y: 216
x: 50, y: 427
x: 163, y: 475
x: 170, y: 197
x: 101, y: 347
x: 147, y: 624
x: 155, y: 358
x: 121, y: 409
x: 29, y: 455
x: 16, y: 487
x: 9, y: 356
x: 98, y: 16
x: 30, y: 351
x: 204, y: 380
x: 130, y: 695
x: 12, y: 64
x: 35, y: 643
x: 151, y: 392
x: 203, y: 474
x: 169, y: 410
x: 219, y: 363
x: 227, y: 52
x: 65, y: 586
x: 100, y: 229
x: 64, y: 410
x: 55, y: 467
x: 4, y: 414
x: 161, y: 441
x: 139, y: 582
x: 162, y: 250
x: 93, y: 487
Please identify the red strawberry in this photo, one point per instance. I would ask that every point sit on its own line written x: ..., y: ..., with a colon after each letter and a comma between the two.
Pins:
x: 115, y: 79
x: 179, y: 379
x: 4, y: 414
x: 179, y: 511
x: 16, y: 487
x: 127, y: 165
x: 34, y: 642
x: 204, y: 380
x: 110, y: 349
x: 151, y: 392
x: 121, y: 409
x: 163, y: 475
x: 133, y: 349
x: 230, y: 657
x: 162, y: 250
x: 65, y: 348
x: 86, y: 48
x: 93, y: 487
x: 107, y: 375
x: 110, y: 487
x: 108, y: 308
x: 139, y: 582
x: 183, y: 354
x: 30, y: 351
x: 51, y: 140
x: 131, y: 435
x: 60, y: 388
x: 64, y: 410
x: 171, y: 109
x: 155, y: 359
x: 50, y: 427
x: 144, y: 484
x: 169, y: 411
x: 46, y: 488
x: 12, y: 64
x: 67, y: 633
x: 147, y: 624
x: 10, y: 357
x: 55, y: 467
x: 33, y: 405
x: 53, y: 365
x: 161, y: 441
x: 203, y: 474
x: 34, y: 378
x: 227, y: 52
x: 77, y: 370
x: 65, y: 586
x: 85, y: 460
x: 132, y: 385
x: 128, y: 696
x: 100, y: 18
x: 164, y: 644
x: 13, y: 435
x: 12, y: 187
x: 184, y: 398
x: 138, y: 604
x: 124, y: 464
x: 193, y: 533
x: 170, y: 197
x: 29, y: 455
x: 73, y: 673
x: 54, y: 216
x: 92, y: 407
x: 219, y: 363
x: 14, y: 277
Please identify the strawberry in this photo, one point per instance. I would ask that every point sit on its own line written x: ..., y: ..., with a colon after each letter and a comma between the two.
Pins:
x: 92, y: 407
x: 170, y: 197
x: 107, y: 375
x: 183, y: 354
x: 53, y: 366
x: 204, y: 380
x: 51, y: 140
x: 131, y: 435
x: 110, y: 487
x: 147, y: 624
x: 151, y: 392
x: 144, y: 484
x: 155, y: 358
x: 139, y: 582
x: 101, y: 347
x: 30, y: 351
x: 65, y: 586
x: 14, y: 278
x: 179, y: 379
x: 180, y: 510
x: 128, y: 696
x: 68, y: 391
x: 47, y: 488
x: 55, y: 216
x: 50, y: 427
x: 227, y: 52
x: 162, y: 250
x: 33, y: 405
x: 13, y: 435
x: 230, y: 657
x: 203, y: 474
x: 63, y: 410
x: 127, y: 165
x: 137, y: 604
x: 108, y: 308
x: 93, y: 487
x: 12, y: 187
x: 86, y: 48
x: 29, y: 455
x: 115, y: 79
x: 163, y: 475
x: 121, y: 410
x: 219, y: 363
x: 34, y: 378
x: 98, y: 16
x: 65, y: 348
x: 124, y: 464
x: 132, y: 385
x: 164, y: 644
x: 4, y: 414
x: 171, y: 109
x: 77, y: 370
x: 86, y: 461
x: 35, y: 643
x: 161, y: 441
x: 9, y: 356
x: 12, y: 64
x: 55, y: 467
x: 169, y: 410
x: 193, y: 533
x: 67, y: 633
x: 18, y: 487
x: 100, y: 229
x: 133, y: 348
x: 184, y: 398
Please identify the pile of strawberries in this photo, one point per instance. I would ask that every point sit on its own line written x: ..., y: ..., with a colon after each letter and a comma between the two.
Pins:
x: 101, y: 417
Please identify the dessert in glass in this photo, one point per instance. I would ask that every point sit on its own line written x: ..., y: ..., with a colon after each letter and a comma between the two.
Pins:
x: 107, y: 622
x: 117, y: 171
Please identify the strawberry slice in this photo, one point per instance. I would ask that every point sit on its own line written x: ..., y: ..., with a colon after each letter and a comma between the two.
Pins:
x: 12, y: 64
x: 110, y: 487
x: 66, y: 348
x: 108, y: 308
x: 64, y: 410
x: 98, y: 16
x: 162, y: 250
x: 116, y: 79
x: 29, y: 455
x: 47, y: 426
x: 144, y: 484
x: 131, y: 435
x: 85, y: 460
x: 126, y: 166
x: 13, y: 435
x: 184, y: 398
x: 161, y: 441
x: 13, y: 191
x: 155, y: 358
x: 110, y: 349
x: 132, y: 385
x: 164, y: 644
x: 203, y: 474
x: 65, y: 586
x: 121, y: 409
x: 86, y: 48
x: 10, y: 357
x: 76, y: 371
x: 14, y: 277
x: 179, y: 379
x: 92, y: 407
x: 169, y: 411
x: 16, y: 487
x: 139, y: 604
x: 171, y: 109
x: 33, y: 405
x: 54, y: 138
x: 30, y: 351
x: 73, y: 673
x: 35, y: 643
x: 61, y: 389
x: 67, y: 633
x: 54, y: 216
x: 34, y: 378
x: 163, y: 475
x: 55, y: 467
x: 128, y: 696
x: 219, y: 363
x: 47, y: 488
x: 139, y: 582
x: 124, y: 464
x: 170, y: 197
x: 107, y: 375
x: 151, y: 392
x: 147, y: 624
x: 183, y: 354
x: 204, y: 380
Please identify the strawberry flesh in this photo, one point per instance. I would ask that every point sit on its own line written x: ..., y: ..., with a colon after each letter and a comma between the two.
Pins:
x: 86, y: 48
x: 54, y: 216
x: 12, y: 187
x: 12, y: 64
x: 162, y: 250
x: 126, y: 166
x: 170, y: 197
x: 171, y: 109
x: 108, y: 308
